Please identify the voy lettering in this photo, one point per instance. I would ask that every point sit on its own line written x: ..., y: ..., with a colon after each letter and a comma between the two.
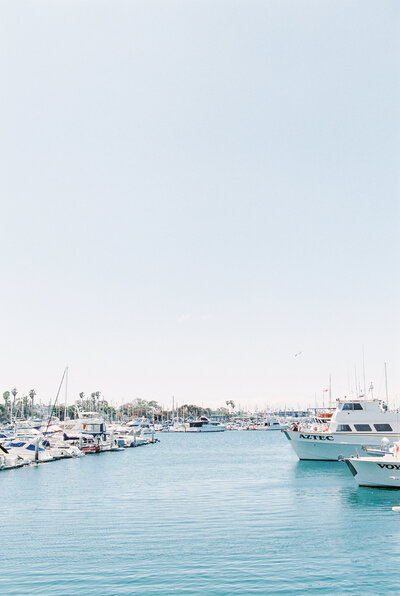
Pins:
x: 390, y: 466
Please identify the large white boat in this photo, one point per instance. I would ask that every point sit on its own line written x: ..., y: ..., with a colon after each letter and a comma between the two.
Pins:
x: 204, y: 425
x: 379, y: 469
x: 355, y: 423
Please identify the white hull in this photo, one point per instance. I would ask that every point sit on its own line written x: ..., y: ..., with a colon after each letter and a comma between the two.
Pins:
x: 376, y: 471
x: 206, y: 429
x: 325, y: 446
x: 10, y: 462
x: 269, y: 428
x: 43, y: 456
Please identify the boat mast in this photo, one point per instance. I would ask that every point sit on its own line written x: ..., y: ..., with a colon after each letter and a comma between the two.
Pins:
x: 356, y: 381
x: 386, y: 386
x: 66, y: 394
x: 55, y: 401
x: 365, y: 387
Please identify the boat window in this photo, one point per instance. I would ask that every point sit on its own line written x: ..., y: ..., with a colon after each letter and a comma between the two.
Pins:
x: 362, y: 427
x: 382, y: 428
x: 343, y: 428
x: 352, y: 406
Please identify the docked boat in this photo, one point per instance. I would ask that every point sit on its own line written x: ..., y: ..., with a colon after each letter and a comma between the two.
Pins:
x: 271, y: 424
x: 62, y: 448
x: 29, y: 449
x: 354, y: 423
x: 379, y: 468
x: 204, y: 425
x: 87, y: 422
x: 141, y: 425
x: 9, y: 461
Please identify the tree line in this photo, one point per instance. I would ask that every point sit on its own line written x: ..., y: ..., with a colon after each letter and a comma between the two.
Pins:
x: 24, y: 406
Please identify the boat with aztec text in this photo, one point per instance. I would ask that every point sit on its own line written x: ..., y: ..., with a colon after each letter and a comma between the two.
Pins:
x: 354, y: 424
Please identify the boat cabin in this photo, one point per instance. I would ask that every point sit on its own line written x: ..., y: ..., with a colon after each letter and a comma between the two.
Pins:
x: 363, y: 416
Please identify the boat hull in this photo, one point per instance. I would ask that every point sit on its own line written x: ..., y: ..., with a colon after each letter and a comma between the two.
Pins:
x: 325, y: 446
x: 271, y: 428
x: 375, y: 471
x: 206, y: 429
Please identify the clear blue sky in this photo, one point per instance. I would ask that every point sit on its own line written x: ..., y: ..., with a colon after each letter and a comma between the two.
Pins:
x: 192, y: 192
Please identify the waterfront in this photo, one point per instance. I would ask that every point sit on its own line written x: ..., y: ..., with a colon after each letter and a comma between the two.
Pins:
x: 219, y: 513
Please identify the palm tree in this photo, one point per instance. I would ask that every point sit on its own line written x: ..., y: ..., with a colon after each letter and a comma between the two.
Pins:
x: 25, y: 406
x: 230, y: 403
x: 14, y: 392
x: 32, y: 394
x: 6, y: 397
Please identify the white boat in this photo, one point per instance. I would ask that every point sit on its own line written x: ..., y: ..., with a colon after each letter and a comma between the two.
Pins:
x: 379, y: 469
x: 271, y: 424
x: 177, y: 427
x: 9, y: 461
x: 204, y: 425
x: 141, y: 425
x: 354, y: 423
x: 130, y: 436
x: 87, y: 422
x: 29, y: 449
x: 60, y: 448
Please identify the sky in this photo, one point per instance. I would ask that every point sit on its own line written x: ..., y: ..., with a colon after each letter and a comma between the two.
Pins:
x: 193, y: 192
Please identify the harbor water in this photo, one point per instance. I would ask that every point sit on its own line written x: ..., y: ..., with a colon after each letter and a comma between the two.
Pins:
x: 214, y: 513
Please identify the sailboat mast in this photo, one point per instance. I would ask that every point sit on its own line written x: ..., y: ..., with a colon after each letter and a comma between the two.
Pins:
x: 66, y: 394
x: 356, y: 382
x: 365, y: 387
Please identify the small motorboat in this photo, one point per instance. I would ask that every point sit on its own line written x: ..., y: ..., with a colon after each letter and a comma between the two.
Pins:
x: 381, y: 468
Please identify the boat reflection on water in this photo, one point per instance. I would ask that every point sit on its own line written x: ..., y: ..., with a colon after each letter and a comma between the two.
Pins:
x: 319, y: 469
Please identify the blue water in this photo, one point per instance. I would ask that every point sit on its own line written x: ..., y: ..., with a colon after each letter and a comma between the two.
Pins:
x: 223, y: 513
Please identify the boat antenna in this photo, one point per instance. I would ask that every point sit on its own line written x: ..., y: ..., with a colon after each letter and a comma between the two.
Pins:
x: 55, y: 401
x: 371, y: 389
